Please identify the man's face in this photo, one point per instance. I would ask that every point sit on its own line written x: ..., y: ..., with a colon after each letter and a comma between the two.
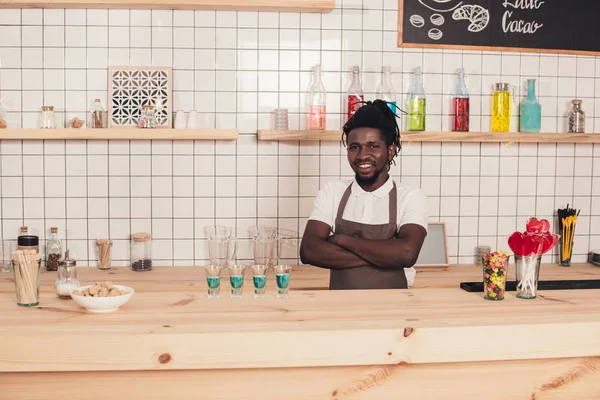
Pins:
x: 368, y: 155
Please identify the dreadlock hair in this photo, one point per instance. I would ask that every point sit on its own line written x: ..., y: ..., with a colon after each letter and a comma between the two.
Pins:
x: 376, y: 114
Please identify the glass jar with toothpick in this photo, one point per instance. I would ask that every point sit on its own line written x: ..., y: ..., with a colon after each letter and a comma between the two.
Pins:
x: 26, y: 267
x: 104, y: 246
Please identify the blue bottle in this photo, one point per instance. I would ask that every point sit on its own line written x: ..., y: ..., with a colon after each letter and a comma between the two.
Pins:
x: 531, y: 110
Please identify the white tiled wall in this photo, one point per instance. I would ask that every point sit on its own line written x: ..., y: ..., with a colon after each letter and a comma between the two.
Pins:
x: 234, y: 68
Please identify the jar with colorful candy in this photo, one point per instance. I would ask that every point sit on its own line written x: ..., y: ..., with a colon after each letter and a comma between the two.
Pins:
x: 495, y: 266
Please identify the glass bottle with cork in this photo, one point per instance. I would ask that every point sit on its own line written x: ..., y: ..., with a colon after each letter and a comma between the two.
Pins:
x: 355, y: 92
x: 531, y: 110
x: 385, y: 90
x: 417, y: 106
x: 316, y: 101
x: 460, y: 105
x: 501, y: 108
x: 141, y: 251
x: 66, y: 279
x: 98, y: 116
x: 576, y: 117
x: 53, y: 250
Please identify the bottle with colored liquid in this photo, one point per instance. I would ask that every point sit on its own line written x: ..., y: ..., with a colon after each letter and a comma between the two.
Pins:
x: 386, y: 91
x: 501, y: 108
x: 316, y: 101
x: 460, y: 105
x: 355, y: 93
x: 531, y: 110
x: 416, y: 106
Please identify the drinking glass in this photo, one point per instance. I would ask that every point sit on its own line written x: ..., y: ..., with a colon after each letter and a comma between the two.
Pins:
x: 27, y: 281
x: 263, y: 249
x: 217, y: 232
x: 221, y: 245
x: 282, y: 277
x: 528, y: 275
x: 259, y: 278
x: 287, y: 246
x: 213, y: 279
x: 236, y: 280
x: 6, y: 249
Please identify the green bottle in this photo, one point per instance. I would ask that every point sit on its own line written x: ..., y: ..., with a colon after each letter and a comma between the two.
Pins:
x: 415, y: 120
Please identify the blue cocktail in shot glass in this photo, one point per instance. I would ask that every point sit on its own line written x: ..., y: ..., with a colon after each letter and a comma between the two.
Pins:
x: 259, y: 278
x: 282, y: 277
x: 236, y: 280
x: 213, y: 280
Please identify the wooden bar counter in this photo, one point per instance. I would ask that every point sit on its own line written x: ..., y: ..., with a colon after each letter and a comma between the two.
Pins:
x: 433, y: 341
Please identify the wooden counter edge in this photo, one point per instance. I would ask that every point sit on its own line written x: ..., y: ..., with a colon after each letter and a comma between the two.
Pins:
x: 161, y: 349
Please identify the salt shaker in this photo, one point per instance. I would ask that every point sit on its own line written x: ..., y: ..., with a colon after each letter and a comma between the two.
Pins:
x: 66, y: 280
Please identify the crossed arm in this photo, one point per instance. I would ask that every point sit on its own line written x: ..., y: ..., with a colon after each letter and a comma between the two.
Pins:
x: 341, y: 251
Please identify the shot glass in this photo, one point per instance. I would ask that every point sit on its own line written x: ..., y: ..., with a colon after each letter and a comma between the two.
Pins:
x: 282, y: 277
x: 236, y: 280
x: 259, y: 278
x: 213, y: 279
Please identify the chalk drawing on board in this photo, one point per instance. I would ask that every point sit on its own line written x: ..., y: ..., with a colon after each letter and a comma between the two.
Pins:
x: 435, y: 34
x: 440, y: 2
x: 417, y: 21
x: 435, y: 249
x: 437, y: 19
x: 478, y: 17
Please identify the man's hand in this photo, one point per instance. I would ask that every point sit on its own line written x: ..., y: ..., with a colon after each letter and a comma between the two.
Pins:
x: 321, y: 249
x: 399, y: 252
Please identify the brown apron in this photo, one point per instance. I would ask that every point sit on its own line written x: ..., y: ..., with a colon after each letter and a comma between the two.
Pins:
x: 367, y: 277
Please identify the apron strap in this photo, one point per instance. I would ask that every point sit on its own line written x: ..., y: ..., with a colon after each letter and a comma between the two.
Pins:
x: 393, y: 206
x: 343, y: 202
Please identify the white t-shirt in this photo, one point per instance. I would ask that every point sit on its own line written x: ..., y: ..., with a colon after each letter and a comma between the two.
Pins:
x: 372, y: 208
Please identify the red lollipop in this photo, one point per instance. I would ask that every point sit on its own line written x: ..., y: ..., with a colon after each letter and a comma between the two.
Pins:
x: 535, y: 225
x: 516, y: 242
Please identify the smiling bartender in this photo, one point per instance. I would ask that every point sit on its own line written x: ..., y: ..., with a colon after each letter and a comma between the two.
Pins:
x: 367, y: 231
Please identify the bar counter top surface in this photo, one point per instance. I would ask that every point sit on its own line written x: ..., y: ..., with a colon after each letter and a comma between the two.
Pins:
x: 170, y: 324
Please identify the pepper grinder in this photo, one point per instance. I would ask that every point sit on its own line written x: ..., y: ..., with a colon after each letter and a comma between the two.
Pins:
x: 66, y: 280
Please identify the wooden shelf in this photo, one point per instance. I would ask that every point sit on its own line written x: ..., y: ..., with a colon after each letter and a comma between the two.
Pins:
x: 118, y: 134
x: 317, y: 6
x: 464, y: 137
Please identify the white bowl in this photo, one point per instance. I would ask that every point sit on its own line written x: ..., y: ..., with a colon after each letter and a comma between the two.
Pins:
x: 102, y: 304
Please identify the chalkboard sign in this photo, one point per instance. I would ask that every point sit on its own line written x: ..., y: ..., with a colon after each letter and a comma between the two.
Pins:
x: 550, y: 26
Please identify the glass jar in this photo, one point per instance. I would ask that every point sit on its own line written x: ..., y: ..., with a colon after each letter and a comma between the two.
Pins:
x: 576, y: 117
x: 501, y: 108
x: 48, y: 120
x: 66, y: 281
x: 28, y: 242
x: 141, y: 251
x: 53, y: 250
x: 104, y: 247
x: 148, y: 118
